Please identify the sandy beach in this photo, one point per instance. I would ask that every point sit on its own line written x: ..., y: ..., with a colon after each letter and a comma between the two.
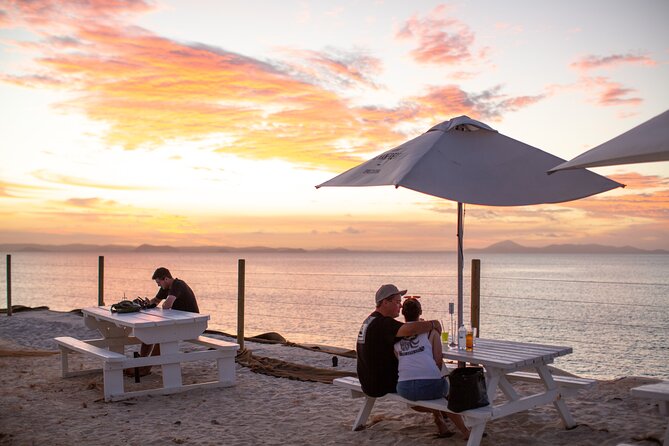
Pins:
x: 39, y: 407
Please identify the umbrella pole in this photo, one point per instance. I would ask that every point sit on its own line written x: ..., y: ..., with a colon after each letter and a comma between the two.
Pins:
x: 461, y: 262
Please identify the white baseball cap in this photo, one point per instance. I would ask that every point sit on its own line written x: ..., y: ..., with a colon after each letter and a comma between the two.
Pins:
x: 386, y: 291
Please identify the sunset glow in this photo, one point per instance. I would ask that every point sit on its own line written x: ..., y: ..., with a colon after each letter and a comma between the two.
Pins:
x: 209, y: 123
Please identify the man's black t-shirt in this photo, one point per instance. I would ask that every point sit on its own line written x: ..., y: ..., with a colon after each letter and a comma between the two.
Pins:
x: 377, y: 363
x: 185, y: 298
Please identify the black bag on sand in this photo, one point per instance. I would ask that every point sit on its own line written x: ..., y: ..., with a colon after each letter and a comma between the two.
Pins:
x: 467, y: 389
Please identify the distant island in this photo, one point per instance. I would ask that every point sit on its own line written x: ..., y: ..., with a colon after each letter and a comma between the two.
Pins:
x: 505, y: 247
x: 509, y: 247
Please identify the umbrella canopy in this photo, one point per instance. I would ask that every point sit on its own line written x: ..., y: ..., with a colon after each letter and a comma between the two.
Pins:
x: 467, y: 161
x: 644, y: 143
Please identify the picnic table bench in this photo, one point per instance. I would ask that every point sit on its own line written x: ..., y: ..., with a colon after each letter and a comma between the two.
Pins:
x: 353, y: 384
x: 658, y: 392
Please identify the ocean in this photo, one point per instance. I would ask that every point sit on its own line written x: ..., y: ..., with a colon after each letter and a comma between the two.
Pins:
x: 612, y: 309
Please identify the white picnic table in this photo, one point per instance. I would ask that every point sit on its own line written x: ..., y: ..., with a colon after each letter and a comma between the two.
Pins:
x: 506, y: 362
x: 151, y: 326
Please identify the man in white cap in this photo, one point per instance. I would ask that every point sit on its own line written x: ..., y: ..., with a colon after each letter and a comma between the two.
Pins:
x: 377, y: 363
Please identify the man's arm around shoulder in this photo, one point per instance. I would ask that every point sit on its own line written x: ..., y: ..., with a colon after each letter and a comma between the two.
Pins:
x: 418, y: 327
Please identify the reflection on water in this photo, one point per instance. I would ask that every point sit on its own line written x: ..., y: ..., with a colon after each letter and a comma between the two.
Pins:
x: 613, y: 310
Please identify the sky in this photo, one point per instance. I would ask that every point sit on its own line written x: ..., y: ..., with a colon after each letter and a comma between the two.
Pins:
x: 205, y: 122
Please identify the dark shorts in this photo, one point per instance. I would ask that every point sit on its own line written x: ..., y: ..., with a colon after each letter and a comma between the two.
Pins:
x: 423, y: 389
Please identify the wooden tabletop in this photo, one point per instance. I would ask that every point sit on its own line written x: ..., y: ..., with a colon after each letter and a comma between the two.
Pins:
x: 507, y: 354
x: 145, y: 318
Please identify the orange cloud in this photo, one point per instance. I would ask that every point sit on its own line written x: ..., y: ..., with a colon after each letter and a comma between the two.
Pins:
x: 653, y: 205
x: 90, y: 203
x: 74, y: 181
x: 150, y: 90
x: 602, y: 217
x: 489, y: 104
x: 634, y: 180
x: 18, y: 190
x: 649, y: 199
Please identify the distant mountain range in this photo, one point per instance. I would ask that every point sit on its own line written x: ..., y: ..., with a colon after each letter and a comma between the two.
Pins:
x: 506, y: 246
x: 78, y: 247
x: 509, y: 247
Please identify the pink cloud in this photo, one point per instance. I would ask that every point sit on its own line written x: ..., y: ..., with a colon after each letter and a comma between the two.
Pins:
x: 334, y: 67
x: 32, y: 80
x: 592, y: 62
x: 5, y: 22
x: 604, y: 91
x: 438, y: 39
x: 90, y: 202
x: 508, y: 27
x: 609, y: 93
x: 56, y: 12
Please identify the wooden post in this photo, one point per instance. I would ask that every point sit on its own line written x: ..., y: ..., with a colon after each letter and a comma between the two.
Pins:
x: 101, y: 281
x: 241, y: 278
x: 476, y: 296
x: 9, y: 284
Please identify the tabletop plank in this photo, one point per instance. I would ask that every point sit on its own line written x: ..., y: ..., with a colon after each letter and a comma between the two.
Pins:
x: 508, y: 354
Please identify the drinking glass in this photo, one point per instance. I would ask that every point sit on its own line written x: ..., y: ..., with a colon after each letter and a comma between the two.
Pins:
x: 470, y: 339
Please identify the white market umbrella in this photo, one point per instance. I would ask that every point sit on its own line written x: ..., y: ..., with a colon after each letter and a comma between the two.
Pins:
x: 644, y: 143
x: 466, y: 161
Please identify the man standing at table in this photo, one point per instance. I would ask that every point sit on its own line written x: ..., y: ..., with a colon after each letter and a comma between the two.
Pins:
x: 377, y: 363
x: 177, y: 295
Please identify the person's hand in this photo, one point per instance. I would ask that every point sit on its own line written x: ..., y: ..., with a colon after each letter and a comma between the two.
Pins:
x: 437, y: 325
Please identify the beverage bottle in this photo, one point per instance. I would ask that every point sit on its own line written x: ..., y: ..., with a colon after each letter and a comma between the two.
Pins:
x: 470, y: 340
x: 462, y: 337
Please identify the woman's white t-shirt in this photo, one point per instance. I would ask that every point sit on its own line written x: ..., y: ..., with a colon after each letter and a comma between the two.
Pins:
x: 415, y: 358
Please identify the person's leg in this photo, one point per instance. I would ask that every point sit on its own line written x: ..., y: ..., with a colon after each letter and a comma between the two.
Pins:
x: 151, y: 350
x: 442, y: 427
x: 459, y: 423
x: 455, y: 418
x: 144, y: 351
x: 416, y: 390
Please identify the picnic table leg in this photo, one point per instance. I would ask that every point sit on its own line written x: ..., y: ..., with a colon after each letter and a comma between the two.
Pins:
x: 112, y: 375
x: 226, y: 370
x: 365, y: 410
x: 171, y: 372
x: 664, y: 408
x: 492, y: 378
x: 508, y: 389
x: 559, y: 403
x: 108, y: 330
x: 64, y: 353
x: 476, y: 434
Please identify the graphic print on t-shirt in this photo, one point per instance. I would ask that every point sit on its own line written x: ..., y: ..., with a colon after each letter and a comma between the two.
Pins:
x: 410, y: 346
x: 363, y: 329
